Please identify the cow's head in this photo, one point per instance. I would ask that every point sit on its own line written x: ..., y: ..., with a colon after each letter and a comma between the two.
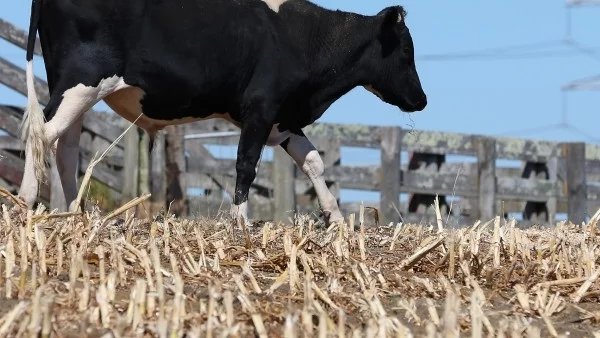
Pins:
x: 393, y: 77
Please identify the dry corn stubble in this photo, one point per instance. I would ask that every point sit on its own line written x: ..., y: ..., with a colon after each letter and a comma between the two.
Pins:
x: 178, y: 277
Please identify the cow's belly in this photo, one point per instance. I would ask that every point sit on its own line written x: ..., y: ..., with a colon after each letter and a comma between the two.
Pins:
x: 126, y: 102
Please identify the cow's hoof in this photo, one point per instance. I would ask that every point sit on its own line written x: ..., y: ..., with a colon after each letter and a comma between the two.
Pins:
x: 242, y: 222
x: 28, y: 204
x: 333, y: 218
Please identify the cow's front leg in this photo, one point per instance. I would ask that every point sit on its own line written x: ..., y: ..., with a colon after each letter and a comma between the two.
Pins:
x: 308, y: 159
x: 253, y: 137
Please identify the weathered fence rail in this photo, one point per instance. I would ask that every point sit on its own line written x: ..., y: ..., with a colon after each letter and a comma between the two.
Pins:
x: 568, y: 186
x: 554, y: 177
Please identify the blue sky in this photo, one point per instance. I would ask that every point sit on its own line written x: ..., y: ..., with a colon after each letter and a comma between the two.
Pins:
x: 489, y: 96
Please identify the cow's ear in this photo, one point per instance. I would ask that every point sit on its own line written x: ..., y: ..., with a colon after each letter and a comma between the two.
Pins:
x: 391, y: 16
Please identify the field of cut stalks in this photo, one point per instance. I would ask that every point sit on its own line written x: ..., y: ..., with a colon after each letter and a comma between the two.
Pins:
x: 112, y: 275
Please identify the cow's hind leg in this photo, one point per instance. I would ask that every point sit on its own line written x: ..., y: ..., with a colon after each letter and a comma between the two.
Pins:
x: 68, y: 103
x: 309, y: 161
x: 67, y: 154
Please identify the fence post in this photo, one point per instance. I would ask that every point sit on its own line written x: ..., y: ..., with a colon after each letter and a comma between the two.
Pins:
x: 158, y: 175
x: 552, y: 204
x: 176, y: 167
x: 576, y: 182
x: 486, y: 174
x: 391, y: 139
x: 130, y: 164
x: 284, y: 191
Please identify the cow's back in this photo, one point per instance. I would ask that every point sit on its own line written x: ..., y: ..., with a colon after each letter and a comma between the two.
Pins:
x: 173, y: 50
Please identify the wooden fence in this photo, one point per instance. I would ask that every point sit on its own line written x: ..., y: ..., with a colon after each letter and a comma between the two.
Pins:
x: 553, y: 178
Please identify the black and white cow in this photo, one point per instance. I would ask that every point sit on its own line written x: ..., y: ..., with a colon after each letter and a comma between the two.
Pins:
x: 271, y: 67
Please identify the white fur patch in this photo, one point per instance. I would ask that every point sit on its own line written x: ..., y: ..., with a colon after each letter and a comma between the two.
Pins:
x: 308, y: 159
x: 274, y: 4
x: 239, y: 213
x: 276, y: 136
x: 76, y: 101
x: 127, y: 103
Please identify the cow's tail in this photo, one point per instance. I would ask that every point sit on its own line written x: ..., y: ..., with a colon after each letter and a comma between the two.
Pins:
x: 33, y: 125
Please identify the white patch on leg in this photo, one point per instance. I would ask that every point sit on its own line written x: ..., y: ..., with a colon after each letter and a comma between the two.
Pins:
x: 274, y: 4
x: 240, y: 212
x: 76, y: 101
x: 308, y: 159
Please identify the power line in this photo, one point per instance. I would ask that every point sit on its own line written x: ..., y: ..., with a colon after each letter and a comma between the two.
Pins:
x: 563, y: 125
x: 580, y: 3
x: 524, y: 51
x: 503, y: 53
x: 473, y: 57
x: 590, y: 83
x: 535, y: 50
x: 494, y: 50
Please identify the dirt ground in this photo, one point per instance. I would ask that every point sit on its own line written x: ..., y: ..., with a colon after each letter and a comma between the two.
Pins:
x: 91, y: 276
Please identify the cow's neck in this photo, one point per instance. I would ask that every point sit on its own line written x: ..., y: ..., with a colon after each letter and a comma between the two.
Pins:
x: 334, y: 43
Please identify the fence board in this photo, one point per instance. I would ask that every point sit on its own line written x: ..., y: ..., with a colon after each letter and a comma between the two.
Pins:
x: 8, y: 121
x: 526, y: 150
x: 592, y: 153
x: 431, y: 183
x: 103, y: 129
x: 420, y: 141
x: 17, y: 37
x: 102, y: 173
x: 349, y: 135
x: 535, y: 190
x: 14, y: 77
x: 10, y: 143
x: 11, y: 170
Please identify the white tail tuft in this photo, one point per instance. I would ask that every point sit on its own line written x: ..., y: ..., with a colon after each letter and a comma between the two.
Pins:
x: 33, y: 132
